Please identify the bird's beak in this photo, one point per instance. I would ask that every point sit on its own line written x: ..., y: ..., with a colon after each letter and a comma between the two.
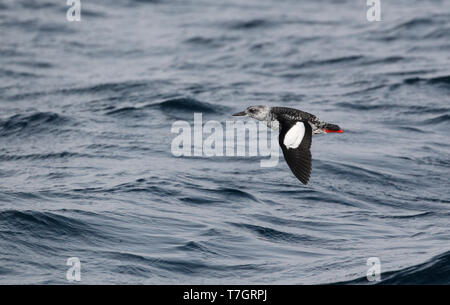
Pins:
x: 242, y: 113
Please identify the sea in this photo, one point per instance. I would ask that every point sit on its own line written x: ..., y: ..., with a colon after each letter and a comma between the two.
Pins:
x: 90, y: 185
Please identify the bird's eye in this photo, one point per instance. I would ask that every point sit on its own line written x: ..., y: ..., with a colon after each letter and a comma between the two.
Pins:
x: 251, y: 110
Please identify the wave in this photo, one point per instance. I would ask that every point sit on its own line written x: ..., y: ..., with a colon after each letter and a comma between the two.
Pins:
x: 276, y: 235
x: 188, y: 105
x: 414, y: 23
x: 36, y: 122
x: 445, y: 118
x: 34, y: 64
x: 440, y: 80
x: 417, y: 27
x: 55, y: 28
x: 366, y: 107
x: 401, y: 109
x: 19, y: 5
x: 113, y: 87
x: 352, y: 172
x: 436, y: 271
x: 193, y: 246
x: 424, y: 109
x: 330, y: 61
x: 190, y: 267
x: 249, y: 24
x: 17, y: 74
x: 419, y: 215
x: 36, y: 4
x: 46, y: 224
x: 198, y: 40
x: 126, y: 111
x: 442, y: 32
x: 149, y: 1
x: 210, y: 42
x: 175, y: 106
x: 384, y: 60
x: 58, y: 155
x: 181, y: 266
x: 218, y: 195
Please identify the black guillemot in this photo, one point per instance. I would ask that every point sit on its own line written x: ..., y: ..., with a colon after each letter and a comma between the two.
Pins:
x: 296, y: 129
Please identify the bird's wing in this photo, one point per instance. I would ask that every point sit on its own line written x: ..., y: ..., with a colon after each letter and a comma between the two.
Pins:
x: 295, y: 141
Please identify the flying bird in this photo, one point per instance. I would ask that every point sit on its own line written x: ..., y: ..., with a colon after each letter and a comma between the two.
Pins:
x: 296, y: 129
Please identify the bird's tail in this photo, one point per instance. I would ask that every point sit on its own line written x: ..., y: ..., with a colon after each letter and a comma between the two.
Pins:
x: 332, y: 128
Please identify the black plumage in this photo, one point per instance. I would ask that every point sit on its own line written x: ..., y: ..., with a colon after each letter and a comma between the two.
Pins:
x: 299, y: 158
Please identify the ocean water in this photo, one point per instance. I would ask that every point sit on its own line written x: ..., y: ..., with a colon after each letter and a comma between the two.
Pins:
x: 86, y: 168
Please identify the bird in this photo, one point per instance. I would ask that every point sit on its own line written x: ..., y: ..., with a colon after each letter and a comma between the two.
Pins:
x: 296, y: 128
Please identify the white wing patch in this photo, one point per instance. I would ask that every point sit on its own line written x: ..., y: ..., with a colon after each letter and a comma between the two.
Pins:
x: 294, y: 136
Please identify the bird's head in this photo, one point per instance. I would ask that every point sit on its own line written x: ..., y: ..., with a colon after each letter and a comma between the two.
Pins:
x: 259, y: 112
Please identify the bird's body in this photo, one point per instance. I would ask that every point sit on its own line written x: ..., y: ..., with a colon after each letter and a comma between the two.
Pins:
x: 296, y: 129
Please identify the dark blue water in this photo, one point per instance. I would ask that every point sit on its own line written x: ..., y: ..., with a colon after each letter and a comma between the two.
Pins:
x: 85, y: 162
